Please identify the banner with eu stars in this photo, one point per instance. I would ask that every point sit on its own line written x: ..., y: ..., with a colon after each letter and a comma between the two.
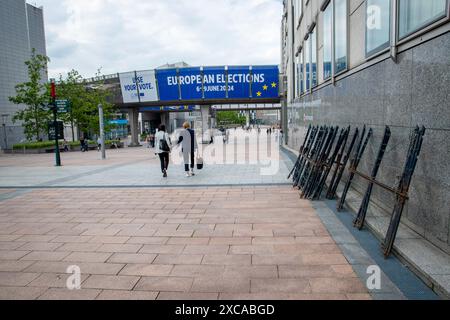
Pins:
x: 209, y: 83
x: 265, y: 82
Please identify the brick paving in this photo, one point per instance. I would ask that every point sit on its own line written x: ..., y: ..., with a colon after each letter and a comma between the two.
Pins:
x: 256, y: 242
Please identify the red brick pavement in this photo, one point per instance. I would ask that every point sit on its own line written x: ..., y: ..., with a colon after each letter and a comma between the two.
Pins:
x: 201, y: 243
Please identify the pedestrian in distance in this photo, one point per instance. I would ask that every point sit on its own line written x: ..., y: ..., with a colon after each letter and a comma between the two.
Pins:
x: 152, y: 139
x: 99, y: 144
x: 83, y: 144
x: 162, y: 148
x: 65, y: 146
x: 189, y: 145
x: 147, y: 141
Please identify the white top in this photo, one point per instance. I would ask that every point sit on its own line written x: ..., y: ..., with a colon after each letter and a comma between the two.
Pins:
x: 161, y: 135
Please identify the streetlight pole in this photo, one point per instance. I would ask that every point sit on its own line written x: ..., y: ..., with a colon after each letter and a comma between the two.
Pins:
x: 55, y: 121
x: 4, y: 120
x: 102, y: 130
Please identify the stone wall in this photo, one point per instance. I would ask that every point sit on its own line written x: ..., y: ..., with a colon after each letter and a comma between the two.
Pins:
x: 413, y: 91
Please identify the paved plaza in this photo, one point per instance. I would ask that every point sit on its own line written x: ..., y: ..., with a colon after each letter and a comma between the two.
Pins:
x: 257, y: 161
x: 230, y: 232
x: 208, y: 243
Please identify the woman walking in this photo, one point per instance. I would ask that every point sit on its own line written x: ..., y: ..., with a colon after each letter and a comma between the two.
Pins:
x: 189, y: 145
x: 162, y: 148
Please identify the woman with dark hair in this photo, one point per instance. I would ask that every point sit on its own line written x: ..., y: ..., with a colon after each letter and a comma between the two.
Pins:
x: 162, y: 148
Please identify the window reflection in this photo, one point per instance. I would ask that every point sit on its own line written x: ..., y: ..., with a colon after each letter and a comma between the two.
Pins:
x: 307, y: 64
x: 313, y: 39
x: 415, y: 14
x: 340, y: 35
x: 377, y: 25
x: 327, y: 41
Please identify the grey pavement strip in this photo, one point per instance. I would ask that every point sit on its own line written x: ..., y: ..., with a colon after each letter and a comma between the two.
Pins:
x: 357, y: 256
x: 13, y: 194
x: 231, y: 185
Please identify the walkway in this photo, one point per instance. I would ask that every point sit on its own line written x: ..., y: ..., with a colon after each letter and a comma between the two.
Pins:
x: 231, y: 232
x: 140, y: 167
x: 208, y: 243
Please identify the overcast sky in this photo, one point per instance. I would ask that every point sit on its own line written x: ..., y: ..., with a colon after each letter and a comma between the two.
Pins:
x: 126, y: 35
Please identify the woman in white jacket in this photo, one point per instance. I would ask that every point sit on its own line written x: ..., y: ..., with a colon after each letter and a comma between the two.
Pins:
x: 162, y: 148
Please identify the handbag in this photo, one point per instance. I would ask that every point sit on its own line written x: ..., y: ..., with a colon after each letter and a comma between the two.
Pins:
x: 199, y: 163
x: 163, y: 145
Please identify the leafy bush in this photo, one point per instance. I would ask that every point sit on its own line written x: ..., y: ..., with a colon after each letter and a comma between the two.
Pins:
x: 75, y: 144
x: 33, y: 145
x: 51, y: 144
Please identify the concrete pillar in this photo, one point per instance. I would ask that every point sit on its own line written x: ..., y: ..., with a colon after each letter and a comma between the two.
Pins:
x: 133, y: 116
x: 247, y: 118
x: 206, y: 126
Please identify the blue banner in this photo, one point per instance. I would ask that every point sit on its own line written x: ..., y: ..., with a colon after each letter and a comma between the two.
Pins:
x: 168, y: 85
x: 119, y: 122
x: 265, y: 82
x: 177, y: 108
x: 239, y: 82
x: 215, y: 83
x: 218, y: 83
x: 190, y: 83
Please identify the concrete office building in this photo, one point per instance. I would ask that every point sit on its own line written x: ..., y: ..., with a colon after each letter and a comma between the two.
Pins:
x: 377, y: 62
x: 21, y: 30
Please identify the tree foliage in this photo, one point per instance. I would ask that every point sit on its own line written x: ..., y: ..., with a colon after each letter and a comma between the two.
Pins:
x: 34, y: 94
x: 230, y: 118
x: 84, y: 103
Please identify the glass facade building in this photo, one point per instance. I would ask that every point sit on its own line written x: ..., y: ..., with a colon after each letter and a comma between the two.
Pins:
x: 21, y: 30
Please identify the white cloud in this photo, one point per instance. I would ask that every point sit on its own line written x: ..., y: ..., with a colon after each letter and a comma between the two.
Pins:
x: 125, y: 35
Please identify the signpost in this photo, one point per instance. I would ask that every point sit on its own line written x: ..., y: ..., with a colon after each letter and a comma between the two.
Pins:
x: 55, y: 121
x: 102, y: 130
x: 55, y: 132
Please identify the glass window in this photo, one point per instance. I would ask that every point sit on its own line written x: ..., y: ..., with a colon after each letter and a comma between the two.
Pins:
x: 313, y: 39
x: 327, y: 39
x: 296, y: 78
x: 307, y: 64
x: 340, y: 35
x: 299, y: 75
x: 416, y: 14
x: 378, y: 26
x: 300, y: 72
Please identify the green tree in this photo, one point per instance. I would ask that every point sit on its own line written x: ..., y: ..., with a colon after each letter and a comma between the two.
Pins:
x: 84, y: 101
x: 35, y: 95
x: 73, y: 90
x: 229, y: 118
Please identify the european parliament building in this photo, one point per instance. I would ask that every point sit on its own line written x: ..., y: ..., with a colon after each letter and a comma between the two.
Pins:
x: 21, y: 30
x: 378, y: 63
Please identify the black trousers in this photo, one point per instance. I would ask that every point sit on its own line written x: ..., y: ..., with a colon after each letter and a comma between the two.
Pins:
x: 187, y: 157
x: 164, y: 158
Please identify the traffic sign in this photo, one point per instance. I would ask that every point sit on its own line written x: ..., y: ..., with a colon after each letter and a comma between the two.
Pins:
x: 59, y: 130
x: 62, y: 106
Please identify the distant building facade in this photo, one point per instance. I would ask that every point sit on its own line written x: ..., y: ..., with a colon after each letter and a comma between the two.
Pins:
x: 376, y: 62
x: 21, y: 30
